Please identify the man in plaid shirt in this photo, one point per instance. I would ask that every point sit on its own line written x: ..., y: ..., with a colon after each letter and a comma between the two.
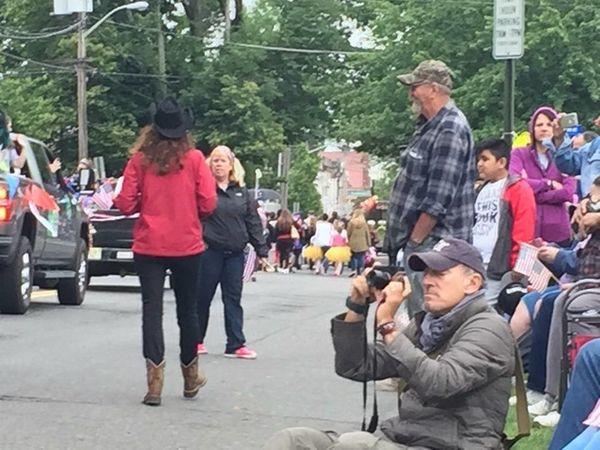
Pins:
x: 434, y: 194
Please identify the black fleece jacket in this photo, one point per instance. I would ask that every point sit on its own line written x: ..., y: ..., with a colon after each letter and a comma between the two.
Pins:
x: 235, y: 222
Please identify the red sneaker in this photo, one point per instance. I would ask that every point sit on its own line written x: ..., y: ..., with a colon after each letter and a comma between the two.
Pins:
x: 201, y: 350
x: 242, y: 353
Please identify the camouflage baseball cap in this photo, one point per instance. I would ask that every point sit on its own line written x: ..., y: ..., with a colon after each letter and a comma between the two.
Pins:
x: 429, y: 71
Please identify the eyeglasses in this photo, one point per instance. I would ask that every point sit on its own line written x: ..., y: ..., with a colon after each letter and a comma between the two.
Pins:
x: 413, y: 87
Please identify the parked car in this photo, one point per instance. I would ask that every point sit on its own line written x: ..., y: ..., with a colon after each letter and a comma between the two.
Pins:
x: 112, y: 239
x: 38, y: 246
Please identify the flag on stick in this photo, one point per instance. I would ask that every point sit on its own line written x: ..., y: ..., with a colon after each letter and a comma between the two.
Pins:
x: 102, y: 199
x: 539, y: 276
x: 526, y: 259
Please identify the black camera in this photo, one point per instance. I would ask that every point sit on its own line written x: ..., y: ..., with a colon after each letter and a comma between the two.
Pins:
x: 381, y: 276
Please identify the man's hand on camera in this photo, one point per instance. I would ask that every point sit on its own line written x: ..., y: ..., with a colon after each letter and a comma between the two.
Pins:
x: 392, y: 297
x: 359, y: 293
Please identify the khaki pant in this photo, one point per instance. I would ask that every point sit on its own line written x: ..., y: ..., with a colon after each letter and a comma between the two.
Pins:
x: 310, y: 439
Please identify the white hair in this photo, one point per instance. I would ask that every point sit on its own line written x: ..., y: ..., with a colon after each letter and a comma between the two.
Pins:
x: 444, y: 89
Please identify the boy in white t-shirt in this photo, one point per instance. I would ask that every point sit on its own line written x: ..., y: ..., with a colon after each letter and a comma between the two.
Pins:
x: 504, y: 214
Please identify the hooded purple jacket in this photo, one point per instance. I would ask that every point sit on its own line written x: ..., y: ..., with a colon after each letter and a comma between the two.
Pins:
x: 552, y: 222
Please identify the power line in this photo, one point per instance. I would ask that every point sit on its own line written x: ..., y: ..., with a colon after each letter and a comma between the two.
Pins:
x: 302, y: 50
x: 36, y: 37
x: 129, y: 88
x: 32, y: 61
x: 247, y: 45
x: 93, y: 70
x: 33, y: 73
x: 138, y: 75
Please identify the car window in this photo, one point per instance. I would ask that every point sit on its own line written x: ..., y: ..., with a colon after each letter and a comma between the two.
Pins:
x: 42, y: 162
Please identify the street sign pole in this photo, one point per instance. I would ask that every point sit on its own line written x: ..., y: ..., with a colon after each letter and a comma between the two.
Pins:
x: 509, y: 101
x: 508, y: 44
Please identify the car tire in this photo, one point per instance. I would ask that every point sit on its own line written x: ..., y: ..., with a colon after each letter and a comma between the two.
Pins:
x: 16, y: 279
x: 71, y: 291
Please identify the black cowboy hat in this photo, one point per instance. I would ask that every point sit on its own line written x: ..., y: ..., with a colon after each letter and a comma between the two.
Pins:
x: 169, y: 119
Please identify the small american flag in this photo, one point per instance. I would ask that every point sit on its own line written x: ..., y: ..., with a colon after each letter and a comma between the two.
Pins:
x: 102, y: 199
x: 539, y: 276
x: 526, y: 259
x: 249, y: 264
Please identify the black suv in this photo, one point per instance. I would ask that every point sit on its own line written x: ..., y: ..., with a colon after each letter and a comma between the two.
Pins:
x: 40, y: 247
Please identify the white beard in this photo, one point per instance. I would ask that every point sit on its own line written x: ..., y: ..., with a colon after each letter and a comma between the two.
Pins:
x: 416, y: 108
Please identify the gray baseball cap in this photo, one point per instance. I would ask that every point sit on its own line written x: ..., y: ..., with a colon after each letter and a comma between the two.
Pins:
x: 446, y: 254
x: 429, y: 71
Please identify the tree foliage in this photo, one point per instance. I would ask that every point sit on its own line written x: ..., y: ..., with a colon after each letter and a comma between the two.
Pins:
x: 303, y: 171
x: 556, y: 68
x: 258, y: 100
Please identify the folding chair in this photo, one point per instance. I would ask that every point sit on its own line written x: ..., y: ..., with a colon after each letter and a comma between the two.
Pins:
x: 577, y: 317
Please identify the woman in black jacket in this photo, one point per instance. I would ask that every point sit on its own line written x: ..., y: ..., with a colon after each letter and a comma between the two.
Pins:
x: 233, y: 224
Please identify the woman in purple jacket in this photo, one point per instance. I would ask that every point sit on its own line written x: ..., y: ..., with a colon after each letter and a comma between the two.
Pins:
x: 552, y: 189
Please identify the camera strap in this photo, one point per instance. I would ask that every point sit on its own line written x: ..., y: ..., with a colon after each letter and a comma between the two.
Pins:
x: 373, y: 422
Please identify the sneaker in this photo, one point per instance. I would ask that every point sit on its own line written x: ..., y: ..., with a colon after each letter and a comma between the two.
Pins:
x: 549, y: 420
x: 533, y: 397
x: 201, y: 350
x: 242, y: 353
x: 543, y: 407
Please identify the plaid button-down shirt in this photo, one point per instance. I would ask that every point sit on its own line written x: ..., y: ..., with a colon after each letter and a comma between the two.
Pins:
x: 437, y: 177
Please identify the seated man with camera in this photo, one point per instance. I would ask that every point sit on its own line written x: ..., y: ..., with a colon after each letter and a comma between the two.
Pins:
x: 456, y: 358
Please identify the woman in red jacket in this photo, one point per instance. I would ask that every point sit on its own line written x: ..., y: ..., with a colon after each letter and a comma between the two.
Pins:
x: 169, y: 184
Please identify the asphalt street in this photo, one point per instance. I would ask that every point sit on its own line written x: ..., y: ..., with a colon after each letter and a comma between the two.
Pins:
x: 74, y: 377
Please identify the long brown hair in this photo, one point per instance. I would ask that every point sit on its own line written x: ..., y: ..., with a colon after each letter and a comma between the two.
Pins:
x: 285, y: 221
x: 164, y: 153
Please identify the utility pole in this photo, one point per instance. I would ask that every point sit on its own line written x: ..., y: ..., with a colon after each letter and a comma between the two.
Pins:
x: 162, y: 64
x: 227, y: 22
x: 285, y: 170
x: 80, y: 67
x: 81, y: 90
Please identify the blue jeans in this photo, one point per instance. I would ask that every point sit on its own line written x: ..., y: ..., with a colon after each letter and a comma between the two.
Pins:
x: 581, y: 397
x: 536, y: 380
x: 225, y: 268
x: 357, y: 262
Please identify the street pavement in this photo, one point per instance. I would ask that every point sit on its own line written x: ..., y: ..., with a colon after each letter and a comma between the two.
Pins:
x: 74, y: 377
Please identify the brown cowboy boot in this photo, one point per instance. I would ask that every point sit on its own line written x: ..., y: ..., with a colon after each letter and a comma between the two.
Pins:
x: 156, y: 376
x: 193, y: 378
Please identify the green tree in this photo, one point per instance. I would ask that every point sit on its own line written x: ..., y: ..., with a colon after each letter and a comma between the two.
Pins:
x: 296, y: 85
x: 240, y: 119
x: 301, y: 180
x: 383, y: 186
x: 375, y: 109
